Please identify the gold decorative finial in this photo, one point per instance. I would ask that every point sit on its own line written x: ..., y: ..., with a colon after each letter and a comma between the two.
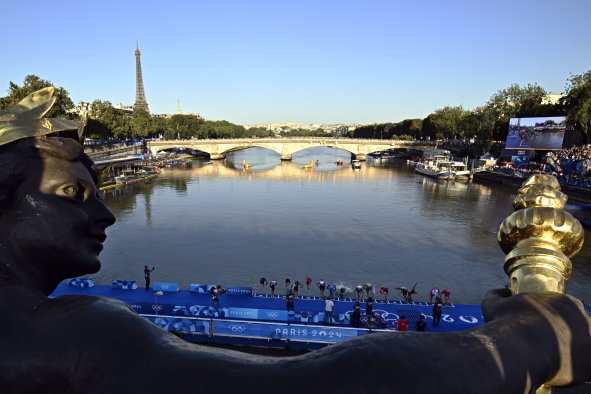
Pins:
x: 540, y: 237
x: 25, y: 119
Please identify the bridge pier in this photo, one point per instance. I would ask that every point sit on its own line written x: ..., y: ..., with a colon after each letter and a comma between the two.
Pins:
x: 360, y: 156
x: 286, y: 157
x: 216, y: 156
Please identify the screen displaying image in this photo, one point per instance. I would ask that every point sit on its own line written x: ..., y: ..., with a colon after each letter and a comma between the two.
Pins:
x: 536, y: 133
x: 520, y: 161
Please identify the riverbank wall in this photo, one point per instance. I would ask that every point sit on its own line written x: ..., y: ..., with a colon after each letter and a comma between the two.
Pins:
x: 575, y: 194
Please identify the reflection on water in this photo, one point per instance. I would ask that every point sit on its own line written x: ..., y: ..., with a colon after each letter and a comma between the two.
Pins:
x: 218, y: 223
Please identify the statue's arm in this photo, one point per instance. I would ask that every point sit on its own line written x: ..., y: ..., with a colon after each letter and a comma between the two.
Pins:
x: 517, y: 351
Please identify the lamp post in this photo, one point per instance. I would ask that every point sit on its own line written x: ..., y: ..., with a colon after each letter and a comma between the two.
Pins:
x: 539, y: 238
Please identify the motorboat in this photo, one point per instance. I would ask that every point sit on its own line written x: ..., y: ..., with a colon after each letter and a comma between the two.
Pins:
x: 460, y: 168
x: 439, y: 167
x: 126, y: 176
x: 356, y: 164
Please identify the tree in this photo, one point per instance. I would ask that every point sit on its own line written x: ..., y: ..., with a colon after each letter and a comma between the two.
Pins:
x: 31, y: 84
x: 512, y: 102
x: 140, y: 123
x: 106, y: 121
x: 447, y: 122
x: 577, y: 102
x: 185, y: 126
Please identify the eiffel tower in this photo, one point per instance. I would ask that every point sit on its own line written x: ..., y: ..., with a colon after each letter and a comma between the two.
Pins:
x: 140, y: 97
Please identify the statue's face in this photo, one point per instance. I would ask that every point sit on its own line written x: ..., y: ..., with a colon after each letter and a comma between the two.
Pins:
x: 58, y: 222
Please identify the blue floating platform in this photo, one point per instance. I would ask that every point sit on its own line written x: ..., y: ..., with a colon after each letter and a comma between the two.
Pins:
x: 243, y: 317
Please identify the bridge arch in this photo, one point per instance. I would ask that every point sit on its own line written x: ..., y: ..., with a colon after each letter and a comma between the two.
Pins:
x: 286, y: 147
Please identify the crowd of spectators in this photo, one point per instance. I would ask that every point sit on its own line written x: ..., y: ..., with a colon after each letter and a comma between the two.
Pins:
x: 571, y: 166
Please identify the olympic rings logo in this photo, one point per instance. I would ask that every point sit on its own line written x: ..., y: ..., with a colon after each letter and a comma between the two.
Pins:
x: 272, y: 314
x: 237, y: 327
x: 157, y: 307
x: 164, y: 285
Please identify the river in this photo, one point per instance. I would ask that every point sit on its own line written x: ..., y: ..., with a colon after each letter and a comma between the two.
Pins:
x: 384, y: 224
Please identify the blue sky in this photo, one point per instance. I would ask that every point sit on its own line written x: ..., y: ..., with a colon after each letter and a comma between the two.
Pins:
x: 296, y: 61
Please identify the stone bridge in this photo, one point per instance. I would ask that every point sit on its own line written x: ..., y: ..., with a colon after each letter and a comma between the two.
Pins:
x: 286, y: 147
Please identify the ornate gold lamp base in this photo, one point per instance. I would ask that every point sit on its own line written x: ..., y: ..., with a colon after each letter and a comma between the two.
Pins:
x: 539, y: 239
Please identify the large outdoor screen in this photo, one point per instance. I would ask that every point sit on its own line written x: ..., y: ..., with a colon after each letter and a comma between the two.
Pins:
x: 536, y: 133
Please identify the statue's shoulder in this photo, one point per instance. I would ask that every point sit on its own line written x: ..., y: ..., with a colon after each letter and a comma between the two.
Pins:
x: 83, y: 310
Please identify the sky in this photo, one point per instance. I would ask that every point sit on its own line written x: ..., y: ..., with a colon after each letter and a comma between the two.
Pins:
x: 305, y: 61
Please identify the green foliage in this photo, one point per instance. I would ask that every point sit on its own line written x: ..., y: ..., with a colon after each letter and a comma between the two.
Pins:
x: 448, y: 122
x: 140, y: 123
x: 221, y: 129
x: 387, y: 131
x: 286, y: 132
x: 260, y: 132
x: 183, y: 126
x: 105, y: 121
x: 577, y: 102
x: 514, y: 101
x: 31, y: 84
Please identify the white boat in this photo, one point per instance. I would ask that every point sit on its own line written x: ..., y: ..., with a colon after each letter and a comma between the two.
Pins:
x: 460, y: 169
x: 356, y: 164
x: 125, y: 176
x: 439, y: 167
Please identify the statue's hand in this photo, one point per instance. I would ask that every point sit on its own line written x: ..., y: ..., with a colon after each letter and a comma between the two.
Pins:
x: 556, y: 323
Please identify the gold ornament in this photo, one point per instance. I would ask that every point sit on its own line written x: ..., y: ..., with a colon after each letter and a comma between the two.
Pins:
x: 540, y: 237
x: 25, y: 119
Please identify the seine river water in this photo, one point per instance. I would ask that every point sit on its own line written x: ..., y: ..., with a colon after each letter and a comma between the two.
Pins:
x: 384, y: 224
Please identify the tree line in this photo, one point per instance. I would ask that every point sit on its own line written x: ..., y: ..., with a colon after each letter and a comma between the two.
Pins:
x: 488, y: 122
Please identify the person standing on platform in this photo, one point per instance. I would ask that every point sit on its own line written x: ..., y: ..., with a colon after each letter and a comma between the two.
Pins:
x: 402, y: 324
x: 272, y: 285
x: 434, y: 293
x: 384, y: 290
x: 215, y: 296
x: 296, y: 287
x: 288, y: 286
x: 437, y: 307
x: 308, y: 282
x: 290, y: 300
x: 322, y: 287
x: 446, y: 294
x: 263, y: 282
x: 147, y: 273
x: 421, y: 323
x: 331, y: 289
x: 356, y: 315
x: 328, y: 311
x: 359, y: 291
x: 368, y: 287
x: 369, y: 307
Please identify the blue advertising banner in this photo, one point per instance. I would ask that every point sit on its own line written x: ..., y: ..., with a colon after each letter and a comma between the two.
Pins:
x: 242, y: 313
x: 166, y: 287
x: 303, y: 333
x: 124, y: 284
x: 81, y: 282
x: 272, y: 314
x: 239, y: 291
x: 201, y: 289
